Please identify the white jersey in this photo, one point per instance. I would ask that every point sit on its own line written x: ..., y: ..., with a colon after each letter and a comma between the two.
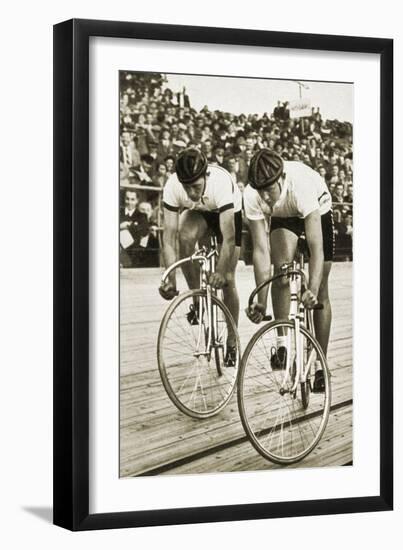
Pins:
x: 219, y: 195
x: 303, y: 191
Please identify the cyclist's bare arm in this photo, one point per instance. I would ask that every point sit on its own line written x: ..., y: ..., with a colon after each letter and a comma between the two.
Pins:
x: 171, y: 222
x: 227, y: 252
x: 261, y: 256
x: 313, y: 232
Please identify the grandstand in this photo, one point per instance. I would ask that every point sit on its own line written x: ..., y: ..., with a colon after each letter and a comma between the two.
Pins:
x: 156, y: 123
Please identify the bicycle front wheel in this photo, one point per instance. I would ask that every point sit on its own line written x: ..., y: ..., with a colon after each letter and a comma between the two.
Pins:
x: 192, y: 351
x: 281, y: 423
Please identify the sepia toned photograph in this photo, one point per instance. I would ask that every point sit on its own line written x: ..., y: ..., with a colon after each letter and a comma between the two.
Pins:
x: 236, y: 274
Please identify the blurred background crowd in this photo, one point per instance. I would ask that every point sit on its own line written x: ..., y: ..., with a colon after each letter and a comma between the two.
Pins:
x: 156, y: 123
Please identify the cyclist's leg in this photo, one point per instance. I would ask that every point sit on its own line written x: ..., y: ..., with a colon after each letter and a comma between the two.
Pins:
x: 230, y: 294
x: 283, y: 244
x: 322, y: 318
x: 192, y: 227
x: 230, y: 291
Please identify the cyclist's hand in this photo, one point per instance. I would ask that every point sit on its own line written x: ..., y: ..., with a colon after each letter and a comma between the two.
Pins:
x: 256, y: 312
x: 217, y: 280
x: 168, y: 291
x: 309, y: 299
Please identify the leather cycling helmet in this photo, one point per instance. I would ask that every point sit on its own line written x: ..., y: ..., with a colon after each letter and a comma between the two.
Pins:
x: 190, y: 165
x: 266, y: 166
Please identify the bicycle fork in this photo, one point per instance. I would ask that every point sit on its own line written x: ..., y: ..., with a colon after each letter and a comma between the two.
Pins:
x: 295, y: 316
x: 203, y: 346
x: 207, y: 315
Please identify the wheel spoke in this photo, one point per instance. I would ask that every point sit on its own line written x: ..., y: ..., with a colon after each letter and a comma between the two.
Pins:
x: 186, y: 379
x: 279, y: 424
x: 194, y: 383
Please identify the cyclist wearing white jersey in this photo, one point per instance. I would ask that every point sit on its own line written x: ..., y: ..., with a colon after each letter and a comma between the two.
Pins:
x: 293, y: 199
x: 199, y: 199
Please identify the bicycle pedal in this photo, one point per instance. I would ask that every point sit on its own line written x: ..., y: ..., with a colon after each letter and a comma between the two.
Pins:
x: 192, y: 317
x: 278, y: 359
x: 230, y: 359
x: 319, y: 382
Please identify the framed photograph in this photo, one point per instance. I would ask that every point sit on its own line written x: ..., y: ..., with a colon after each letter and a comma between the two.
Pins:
x: 223, y: 260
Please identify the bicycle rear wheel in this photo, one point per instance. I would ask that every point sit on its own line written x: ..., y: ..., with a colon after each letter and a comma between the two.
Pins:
x: 196, y: 378
x: 280, y: 423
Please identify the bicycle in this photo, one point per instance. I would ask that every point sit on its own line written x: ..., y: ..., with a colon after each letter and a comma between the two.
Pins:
x: 191, y: 356
x: 283, y: 419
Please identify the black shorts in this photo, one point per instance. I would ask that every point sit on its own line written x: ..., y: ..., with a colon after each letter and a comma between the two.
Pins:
x: 213, y: 223
x: 297, y: 226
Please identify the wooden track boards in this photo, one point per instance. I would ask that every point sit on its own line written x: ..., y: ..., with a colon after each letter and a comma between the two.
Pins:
x: 155, y: 438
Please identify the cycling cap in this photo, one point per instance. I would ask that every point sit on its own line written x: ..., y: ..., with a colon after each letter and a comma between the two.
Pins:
x: 190, y: 165
x: 266, y: 166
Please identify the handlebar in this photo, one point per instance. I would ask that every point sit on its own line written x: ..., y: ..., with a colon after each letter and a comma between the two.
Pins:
x: 316, y: 306
x: 287, y: 272
x: 194, y: 258
x: 200, y: 255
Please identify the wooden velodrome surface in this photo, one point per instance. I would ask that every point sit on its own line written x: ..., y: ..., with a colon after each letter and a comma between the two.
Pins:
x: 156, y: 438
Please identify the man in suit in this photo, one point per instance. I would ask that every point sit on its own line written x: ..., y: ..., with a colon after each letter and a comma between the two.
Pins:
x: 129, y: 155
x: 134, y: 226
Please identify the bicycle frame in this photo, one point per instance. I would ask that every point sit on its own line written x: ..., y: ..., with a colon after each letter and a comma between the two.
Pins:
x: 298, y: 315
x: 207, y: 260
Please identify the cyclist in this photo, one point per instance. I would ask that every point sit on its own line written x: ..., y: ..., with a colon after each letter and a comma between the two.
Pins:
x: 291, y: 199
x: 198, y: 199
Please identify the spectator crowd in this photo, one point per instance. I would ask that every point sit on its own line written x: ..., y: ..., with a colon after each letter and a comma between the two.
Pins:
x: 156, y: 124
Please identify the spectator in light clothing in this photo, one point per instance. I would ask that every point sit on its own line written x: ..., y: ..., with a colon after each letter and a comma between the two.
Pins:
x: 170, y: 164
x: 218, y: 156
x: 129, y: 154
x: 338, y: 195
x: 144, y: 170
x: 159, y: 180
x: 349, y: 196
x: 133, y: 228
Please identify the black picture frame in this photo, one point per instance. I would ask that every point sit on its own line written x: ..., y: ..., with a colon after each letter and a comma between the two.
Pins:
x: 71, y: 274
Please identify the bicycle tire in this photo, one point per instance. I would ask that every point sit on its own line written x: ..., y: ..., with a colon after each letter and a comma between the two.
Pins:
x: 266, y: 414
x: 196, y: 389
x: 305, y: 393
